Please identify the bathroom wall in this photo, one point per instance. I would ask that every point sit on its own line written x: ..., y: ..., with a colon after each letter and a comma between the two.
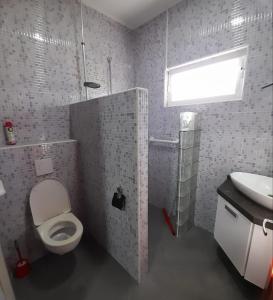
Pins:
x: 41, y: 68
x: 236, y: 136
x: 41, y: 73
x: 18, y: 174
x: 113, y: 135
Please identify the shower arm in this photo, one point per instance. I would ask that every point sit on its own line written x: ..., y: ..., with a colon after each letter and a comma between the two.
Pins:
x: 267, y: 85
x: 109, y: 61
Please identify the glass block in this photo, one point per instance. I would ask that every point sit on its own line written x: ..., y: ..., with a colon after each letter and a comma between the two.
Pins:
x: 195, y: 153
x: 186, y: 139
x: 186, y: 172
x: 188, y: 120
x: 183, y: 217
x: 184, y: 202
x: 187, y: 186
x: 187, y: 156
x: 197, y: 137
x: 193, y: 182
x: 194, y: 168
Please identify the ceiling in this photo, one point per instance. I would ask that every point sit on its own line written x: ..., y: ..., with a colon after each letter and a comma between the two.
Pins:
x: 131, y: 13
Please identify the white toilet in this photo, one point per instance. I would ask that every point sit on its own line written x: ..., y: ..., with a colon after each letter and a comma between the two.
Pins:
x: 58, y: 228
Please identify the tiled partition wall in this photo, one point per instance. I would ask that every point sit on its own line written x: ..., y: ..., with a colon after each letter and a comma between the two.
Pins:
x: 41, y: 63
x: 113, y: 136
x: 236, y: 136
x: 18, y: 175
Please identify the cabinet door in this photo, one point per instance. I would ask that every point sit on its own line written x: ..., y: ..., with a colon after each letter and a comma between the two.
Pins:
x: 233, y: 233
x: 260, y: 257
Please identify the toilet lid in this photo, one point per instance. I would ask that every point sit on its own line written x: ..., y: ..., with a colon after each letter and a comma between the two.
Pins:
x: 48, y: 199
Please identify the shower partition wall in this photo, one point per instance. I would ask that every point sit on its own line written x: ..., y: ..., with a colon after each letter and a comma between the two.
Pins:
x: 188, y: 159
x: 112, y: 132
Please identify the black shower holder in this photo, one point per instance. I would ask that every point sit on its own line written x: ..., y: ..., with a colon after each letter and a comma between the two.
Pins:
x: 92, y: 85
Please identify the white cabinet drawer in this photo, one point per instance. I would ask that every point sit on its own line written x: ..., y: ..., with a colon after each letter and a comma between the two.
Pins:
x: 233, y: 232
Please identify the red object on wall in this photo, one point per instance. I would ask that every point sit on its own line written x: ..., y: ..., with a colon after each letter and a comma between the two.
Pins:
x: 8, y: 124
x: 9, y: 132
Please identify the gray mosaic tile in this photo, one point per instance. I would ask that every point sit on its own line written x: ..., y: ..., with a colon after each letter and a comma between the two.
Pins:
x: 236, y: 136
x: 17, y: 171
x: 41, y: 63
x: 113, y: 135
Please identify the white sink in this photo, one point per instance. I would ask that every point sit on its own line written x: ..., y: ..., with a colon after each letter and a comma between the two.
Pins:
x: 257, y: 187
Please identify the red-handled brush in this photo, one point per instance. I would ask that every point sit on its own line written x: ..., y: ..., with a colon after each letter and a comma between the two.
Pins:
x: 22, y: 268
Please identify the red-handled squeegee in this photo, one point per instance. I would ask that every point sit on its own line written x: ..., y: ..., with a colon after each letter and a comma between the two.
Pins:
x: 168, y: 221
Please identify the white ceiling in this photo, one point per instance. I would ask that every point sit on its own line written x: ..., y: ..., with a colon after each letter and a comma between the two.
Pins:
x: 131, y: 13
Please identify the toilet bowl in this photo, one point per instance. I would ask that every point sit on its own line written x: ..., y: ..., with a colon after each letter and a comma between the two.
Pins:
x: 59, y: 230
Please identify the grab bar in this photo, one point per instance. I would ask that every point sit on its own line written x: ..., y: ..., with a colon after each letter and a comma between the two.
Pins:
x: 154, y: 140
x: 264, y: 224
x: 266, y: 86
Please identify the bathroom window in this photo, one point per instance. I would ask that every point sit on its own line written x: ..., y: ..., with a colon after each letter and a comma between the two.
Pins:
x: 216, y: 78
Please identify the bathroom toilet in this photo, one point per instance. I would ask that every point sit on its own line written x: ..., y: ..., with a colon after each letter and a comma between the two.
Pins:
x: 58, y: 228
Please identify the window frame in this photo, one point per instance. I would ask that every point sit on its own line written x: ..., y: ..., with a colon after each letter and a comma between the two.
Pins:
x: 219, y: 57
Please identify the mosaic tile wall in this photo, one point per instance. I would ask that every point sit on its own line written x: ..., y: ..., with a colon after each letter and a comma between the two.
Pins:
x: 41, y: 63
x: 17, y: 172
x: 236, y: 136
x: 113, y: 135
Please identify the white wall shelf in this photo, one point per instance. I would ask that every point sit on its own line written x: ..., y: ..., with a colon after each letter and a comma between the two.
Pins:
x: 10, y: 147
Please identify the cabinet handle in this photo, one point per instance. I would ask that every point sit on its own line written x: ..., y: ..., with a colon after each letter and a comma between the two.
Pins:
x: 231, y: 211
x: 264, y: 224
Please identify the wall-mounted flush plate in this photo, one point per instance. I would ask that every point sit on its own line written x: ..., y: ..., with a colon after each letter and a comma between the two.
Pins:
x: 43, y: 166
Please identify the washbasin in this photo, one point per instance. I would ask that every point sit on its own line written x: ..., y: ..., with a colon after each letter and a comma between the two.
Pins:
x: 257, y: 187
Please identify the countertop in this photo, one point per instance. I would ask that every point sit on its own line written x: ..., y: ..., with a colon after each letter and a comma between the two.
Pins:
x: 251, y: 210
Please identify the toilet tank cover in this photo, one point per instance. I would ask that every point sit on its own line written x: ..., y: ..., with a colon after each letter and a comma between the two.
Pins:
x: 48, y: 199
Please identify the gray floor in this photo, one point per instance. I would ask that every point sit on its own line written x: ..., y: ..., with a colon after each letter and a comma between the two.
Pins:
x: 192, y: 268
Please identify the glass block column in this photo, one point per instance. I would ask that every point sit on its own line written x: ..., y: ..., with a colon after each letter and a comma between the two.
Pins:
x: 188, y: 159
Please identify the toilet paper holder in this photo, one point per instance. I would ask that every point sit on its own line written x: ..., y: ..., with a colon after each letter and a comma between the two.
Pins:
x: 119, y: 199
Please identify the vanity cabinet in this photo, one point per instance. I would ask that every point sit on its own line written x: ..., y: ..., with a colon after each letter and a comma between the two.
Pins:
x: 244, y: 242
x: 233, y: 233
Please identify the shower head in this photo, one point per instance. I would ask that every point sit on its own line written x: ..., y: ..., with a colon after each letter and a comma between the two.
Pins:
x: 92, y: 85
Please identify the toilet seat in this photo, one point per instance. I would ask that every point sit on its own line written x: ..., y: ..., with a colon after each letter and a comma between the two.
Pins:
x: 58, y: 228
x: 48, y: 199
x: 45, y: 228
